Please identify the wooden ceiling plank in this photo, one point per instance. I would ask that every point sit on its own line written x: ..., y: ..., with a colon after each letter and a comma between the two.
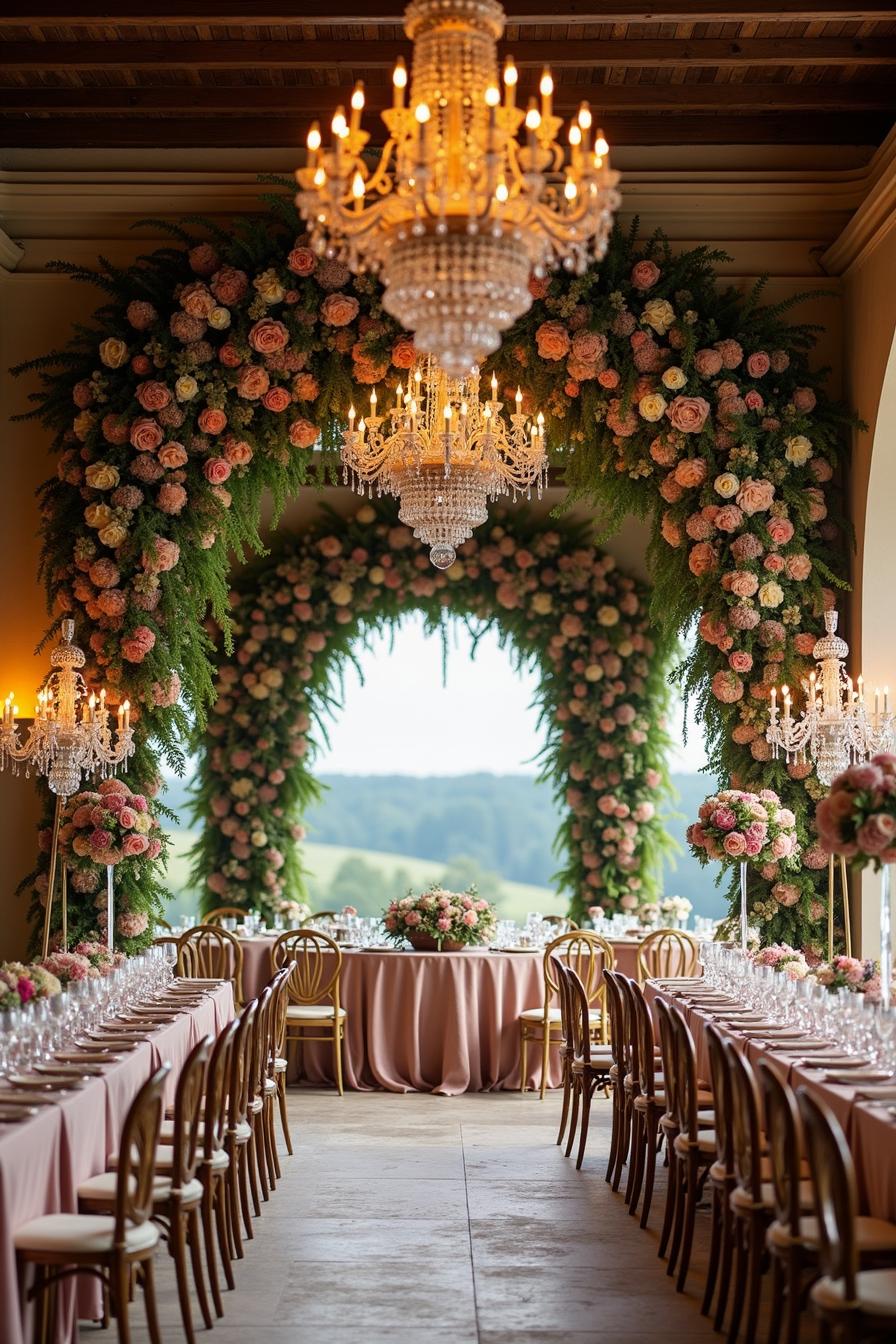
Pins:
x: 391, y: 12
x: 278, y: 99
x: 355, y: 54
x: 270, y: 132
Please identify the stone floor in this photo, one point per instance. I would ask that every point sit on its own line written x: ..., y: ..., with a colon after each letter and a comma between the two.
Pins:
x: 427, y: 1220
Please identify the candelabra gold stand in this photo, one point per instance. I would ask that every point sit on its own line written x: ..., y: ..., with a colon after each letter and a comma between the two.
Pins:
x: 844, y: 882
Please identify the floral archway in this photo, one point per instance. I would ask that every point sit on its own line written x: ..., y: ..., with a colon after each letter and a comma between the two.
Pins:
x: 603, y: 691
x: 218, y: 364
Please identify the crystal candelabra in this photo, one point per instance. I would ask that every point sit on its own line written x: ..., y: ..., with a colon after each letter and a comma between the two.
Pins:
x: 444, y: 453
x: 835, y: 729
x: 69, y: 738
x: 460, y: 208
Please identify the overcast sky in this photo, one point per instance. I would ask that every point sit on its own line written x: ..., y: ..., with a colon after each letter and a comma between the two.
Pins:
x: 404, y: 720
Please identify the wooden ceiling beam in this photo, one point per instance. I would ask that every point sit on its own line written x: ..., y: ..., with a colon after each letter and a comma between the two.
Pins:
x: 359, y: 55
x: 273, y: 131
x: 280, y: 12
x: 215, y: 100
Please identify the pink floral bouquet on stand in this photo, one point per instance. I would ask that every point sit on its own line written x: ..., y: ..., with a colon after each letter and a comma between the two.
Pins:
x: 861, y: 976
x: 20, y: 984
x: 441, y: 920
x: 858, y: 821
x: 784, y: 958
x: 734, y: 826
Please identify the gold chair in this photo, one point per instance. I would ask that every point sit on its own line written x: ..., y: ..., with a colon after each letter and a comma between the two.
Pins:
x: 120, y: 1248
x: 207, y: 952
x: 589, y: 956
x: 314, y: 977
x: 666, y: 953
x: 852, y: 1304
x: 224, y: 912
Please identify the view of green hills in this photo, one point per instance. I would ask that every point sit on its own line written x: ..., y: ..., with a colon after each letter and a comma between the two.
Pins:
x: 371, y: 837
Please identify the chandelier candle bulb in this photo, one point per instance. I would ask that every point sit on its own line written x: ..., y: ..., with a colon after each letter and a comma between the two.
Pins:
x: 399, y: 84
x: 546, y: 89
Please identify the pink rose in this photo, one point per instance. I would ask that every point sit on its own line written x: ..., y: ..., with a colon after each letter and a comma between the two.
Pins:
x: 702, y: 559
x: 735, y: 844
x: 146, y: 435
x: 740, y: 661
x: 755, y: 496
x: 470, y: 918
x: 212, y: 420
x: 804, y: 399
x: 276, y: 399
x: 127, y: 818
x: 153, y: 395
x: 782, y: 846
x: 337, y: 310
x: 758, y: 364
x: 301, y: 261
x: 645, y: 274
x: 252, y: 382
x: 268, y: 336
x: 876, y: 834
x: 552, y: 340
x: 729, y: 518
x: 216, y: 470
x: 134, y: 844
x: 688, y: 414
x: 171, y: 498
x: 172, y: 455
x: 743, y: 584
x: 799, y: 567
x: 229, y: 285
x: 780, y: 530
x: 197, y: 300
x: 163, y: 555
x: 302, y: 433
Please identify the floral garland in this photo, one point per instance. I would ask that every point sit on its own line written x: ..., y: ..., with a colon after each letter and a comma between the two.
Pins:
x: 547, y: 592
x: 215, y: 366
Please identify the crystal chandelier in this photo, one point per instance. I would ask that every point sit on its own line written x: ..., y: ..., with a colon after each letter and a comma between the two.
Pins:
x: 444, y: 454
x: 70, y: 735
x: 458, y: 211
x: 835, y: 729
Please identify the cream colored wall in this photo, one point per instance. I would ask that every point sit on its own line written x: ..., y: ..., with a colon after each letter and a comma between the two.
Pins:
x: 775, y: 213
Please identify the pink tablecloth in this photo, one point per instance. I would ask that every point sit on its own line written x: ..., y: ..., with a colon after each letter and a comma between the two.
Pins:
x: 869, y: 1129
x: 44, y: 1160
x: 443, y: 1022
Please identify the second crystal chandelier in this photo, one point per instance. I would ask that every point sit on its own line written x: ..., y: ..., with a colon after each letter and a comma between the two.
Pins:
x: 460, y: 209
x: 445, y: 454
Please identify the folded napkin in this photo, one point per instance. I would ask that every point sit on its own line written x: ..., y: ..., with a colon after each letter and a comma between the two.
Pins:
x: 877, y: 1092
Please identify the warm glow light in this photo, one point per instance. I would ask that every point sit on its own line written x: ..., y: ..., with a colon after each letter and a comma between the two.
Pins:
x: 546, y: 86
x: 422, y: 113
x: 314, y: 138
x: 358, y: 97
x: 400, y: 74
x: 492, y: 95
x: 533, y: 118
x: 511, y: 74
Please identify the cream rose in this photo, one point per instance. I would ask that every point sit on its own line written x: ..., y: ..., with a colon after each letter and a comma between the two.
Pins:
x: 219, y: 319
x: 113, y: 352
x: 97, y: 515
x: 798, y: 450
x: 674, y: 379
x: 608, y: 615
x: 269, y: 287
x: 113, y: 534
x: 341, y: 594
x: 771, y: 594
x: 726, y: 485
x: 542, y: 603
x: 658, y: 314
x: 102, y: 476
x: 652, y: 407
x: 186, y: 388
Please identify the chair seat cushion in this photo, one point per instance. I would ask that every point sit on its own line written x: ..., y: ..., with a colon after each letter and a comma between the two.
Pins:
x: 312, y: 1012
x: 280, y: 1065
x: 270, y: 1086
x: 81, y: 1233
x: 537, y: 1015
x: 875, y: 1293
x: 742, y: 1201
x: 706, y: 1144
x: 872, y: 1234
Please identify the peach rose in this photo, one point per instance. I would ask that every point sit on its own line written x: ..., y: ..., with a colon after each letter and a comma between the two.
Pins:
x: 645, y: 274
x: 276, y: 399
x: 146, y: 435
x: 212, y: 421
x: 172, y: 455
x: 755, y: 496
x: 153, y: 395
x: 552, y: 340
x: 301, y: 261
x: 252, y: 382
x: 216, y: 470
x: 268, y: 336
x: 702, y: 559
x: 688, y: 414
x: 302, y: 433
x: 338, y: 310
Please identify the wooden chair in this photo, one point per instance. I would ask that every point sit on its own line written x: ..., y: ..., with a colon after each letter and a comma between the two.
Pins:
x: 648, y: 1099
x: 793, y: 1238
x: 177, y: 1194
x: 666, y: 953
x: 591, y: 1063
x: 722, y: 1181
x: 620, y: 1046
x: 567, y: 1048
x: 690, y: 1144
x: 237, y: 1129
x: 224, y: 912
x: 590, y: 956
x: 751, y: 1200
x: 208, y: 952
x: 853, y: 1305
x: 120, y: 1247
x: 315, y: 962
x: 279, y: 1062
x: 214, y: 1163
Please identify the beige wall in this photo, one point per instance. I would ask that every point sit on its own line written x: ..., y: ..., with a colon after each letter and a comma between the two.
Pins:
x: 774, y: 214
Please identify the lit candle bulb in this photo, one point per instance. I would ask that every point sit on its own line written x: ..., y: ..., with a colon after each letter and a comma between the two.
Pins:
x: 876, y: 703
x: 546, y: 89
x: 774, y: 702
x: 519, y: 400
x: 575, y: 142
x: 492, y: 96
x: 338, y: 125
x: 398, y: 397
x: 447, y: 414
x: 533, y: 121
x: 421, y: 112
x: 785, y: 695
x: 361, y: 426
x: 127, y: 714
x: 358, y: 189
x: 510, y: 78
x: 494, y: 387
x: 351, y: 418
x: 314, y: 143
x: 539, y: 420
x: 121, y: 716
x: 373, y: 403
x: 601, y: 148
x: 570, y: 190
x: 464, y: 408
x: 357, y: 106
x: 399, y: 82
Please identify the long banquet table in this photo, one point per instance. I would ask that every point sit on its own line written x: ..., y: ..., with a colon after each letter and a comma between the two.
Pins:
x: 870, y: 1129
x: 44, y: 1159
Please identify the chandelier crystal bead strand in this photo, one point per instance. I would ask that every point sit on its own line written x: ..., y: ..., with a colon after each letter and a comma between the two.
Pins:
x: 835, y: 729
x: 444, y: 454
x: 471, y: 192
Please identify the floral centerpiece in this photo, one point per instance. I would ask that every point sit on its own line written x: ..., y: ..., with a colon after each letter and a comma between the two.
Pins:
x: 19, y: 984
x: 858, y: 820
x: 69, y: 966
x: 108, y: 827
x: 677, y: 908
x: 293, y: 912
x: 649, y: 913
x: 441, y: 920
x: 782, y: 957
x: 860, y: 976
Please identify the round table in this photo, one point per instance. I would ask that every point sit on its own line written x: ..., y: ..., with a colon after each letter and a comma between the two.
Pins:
x: 443, y: 1022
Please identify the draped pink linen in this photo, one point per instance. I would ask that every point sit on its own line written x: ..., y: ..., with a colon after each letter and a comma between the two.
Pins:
x: 45, y: 1159
x: 870, y: 1131
x: 443, y: 1022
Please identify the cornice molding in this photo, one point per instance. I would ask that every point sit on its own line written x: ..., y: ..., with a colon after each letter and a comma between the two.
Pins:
x: 874, y: 218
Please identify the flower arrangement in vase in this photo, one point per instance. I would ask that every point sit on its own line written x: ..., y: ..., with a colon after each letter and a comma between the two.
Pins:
x: 676, y: 910
x: 441, y: 921
x: 858, y: 975
x: 857, y: 820
x: 784, y: 958
x: 19, y: 984
x: 736, y: 826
